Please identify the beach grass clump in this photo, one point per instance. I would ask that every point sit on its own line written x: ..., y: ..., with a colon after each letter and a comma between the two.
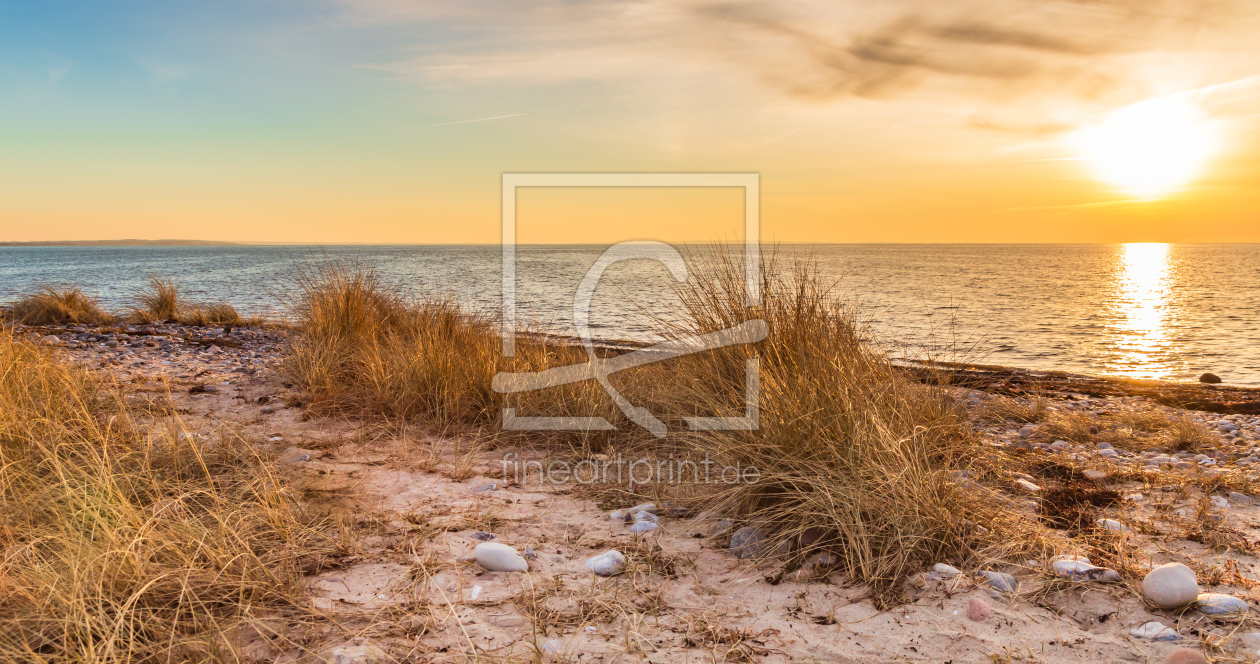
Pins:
x: 163, y: 301
x: 366, y: 350
x: 58, y: 306
x: 124, y: 541
x: 852, y: 455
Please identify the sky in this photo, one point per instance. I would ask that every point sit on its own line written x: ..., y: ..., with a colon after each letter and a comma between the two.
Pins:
x: 392, y: 121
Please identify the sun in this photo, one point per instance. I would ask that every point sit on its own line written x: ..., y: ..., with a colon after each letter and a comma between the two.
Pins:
x: 1151, y: 148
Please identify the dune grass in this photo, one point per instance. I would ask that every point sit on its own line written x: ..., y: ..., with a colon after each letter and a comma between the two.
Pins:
x: 163, y: 301
x: 58, y: 306
x: 127, y: 543
x: 853, y: 456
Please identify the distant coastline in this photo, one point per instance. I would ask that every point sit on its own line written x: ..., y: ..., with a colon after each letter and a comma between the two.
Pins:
x: 119, y: 243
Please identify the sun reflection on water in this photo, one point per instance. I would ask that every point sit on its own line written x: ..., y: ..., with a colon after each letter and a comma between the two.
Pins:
x: 1143, y: 293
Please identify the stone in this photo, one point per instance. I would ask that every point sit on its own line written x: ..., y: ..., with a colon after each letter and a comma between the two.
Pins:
x: 482, y: 536
x: 749, y: 542
x: 1095, y: 474
x: 1240, y: 498
x: 640, y: 527
x: 722, y: 527
x: 1000, y: 581
x: 1220, y: 502
x: 1077, y: 570
x: 618, y: 515
x: 498, y: 557
x: 1210, y: 378
x: 978, y: 609
x: 645, y: 516
x: 1170, y: 586
x: 1027, y: 486
x: 1154, y: 631
x: 1105, y: 446
x: 1112, y: 525
x: 1185, y: 656
x: 609, y: 563
x: 486, y: 487
x: 946, y: 571
x: 643, y: 507
x: 1218, y: 603
x: 355, y: 655
x: 1027, y: 430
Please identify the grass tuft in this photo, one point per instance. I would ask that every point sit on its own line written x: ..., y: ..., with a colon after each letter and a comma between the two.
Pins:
x: 52, y: 306
x: 125, y: 542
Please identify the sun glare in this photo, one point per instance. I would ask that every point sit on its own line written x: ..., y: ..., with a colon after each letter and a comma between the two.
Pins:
x: 1150, y: 148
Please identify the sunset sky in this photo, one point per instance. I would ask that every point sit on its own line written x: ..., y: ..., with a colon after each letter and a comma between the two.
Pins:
x: 388, y: 121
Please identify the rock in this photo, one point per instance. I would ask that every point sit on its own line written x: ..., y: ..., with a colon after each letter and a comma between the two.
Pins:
x: 1059, y: 444
x: 498, y: 557
x: 1111, y: 576
x: 50, y: 340
x: 1103, y: 446
x: 640, y: 527
x: 486, y: 487
x: 1000, y: 581
x: 749, y: 542
x: 978, y: 609
x: 1240, y: 498
x: 1027, y: 486
x: 722, y: 527
x: 643, y: 507
x: 1210, y: 378
x: 1112, y: 525
x: 618, y: 515
x: 482, y: 536
x: 946, y: 571
x: 1077, y: 570
x: 1220, y: 502
x: 1185, y: 656
x: 645, y: 516
x: 1027, y: 430
x: 355, y: 655
x: 1170, y: 586
x: 1218, y: 603
x: 296, y: 455
x: 1072, y: 557
x: 529, y: 553
x: 1095, y: 474
x: 609, y: 563
x: 1154, y: 631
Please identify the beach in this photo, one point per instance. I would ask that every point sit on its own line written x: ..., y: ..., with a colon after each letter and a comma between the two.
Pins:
x: 412, y: 504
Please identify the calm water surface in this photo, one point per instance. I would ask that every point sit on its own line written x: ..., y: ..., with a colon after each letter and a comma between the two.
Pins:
x: 1141, y: 310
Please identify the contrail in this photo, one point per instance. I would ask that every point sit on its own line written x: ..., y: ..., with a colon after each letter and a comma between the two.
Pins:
x: 497, y: 117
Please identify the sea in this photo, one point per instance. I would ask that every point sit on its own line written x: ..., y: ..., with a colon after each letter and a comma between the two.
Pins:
x: 1164, y: 311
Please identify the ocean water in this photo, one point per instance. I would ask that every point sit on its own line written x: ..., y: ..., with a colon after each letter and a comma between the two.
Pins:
x: 1140, y: 310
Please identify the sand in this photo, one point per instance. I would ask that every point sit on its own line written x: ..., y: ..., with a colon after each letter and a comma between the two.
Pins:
x: 409, y: 512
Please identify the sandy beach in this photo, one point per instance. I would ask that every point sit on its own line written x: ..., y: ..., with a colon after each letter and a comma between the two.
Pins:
x: 411, y: 507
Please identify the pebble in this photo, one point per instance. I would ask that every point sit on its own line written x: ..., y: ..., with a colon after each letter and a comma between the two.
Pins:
x: 1000, y: 581
x: 978, y: 609
x: 498, y: 557
x: 1027, y: 430
x: 1113, y: 525
x: 946, y: 571
x: 1185, y: 656
x: 643, y: 507
x: 644, y: 516
x: 1154, y: 631
x: 609, y: 563
x: 749, y: 542
x: 1095, y: 474
x: 1240, y: 498
x: 1170, y: 586
x: 617, y: 515
x: 722, y: 527
x: 1027, y: 486
x: 640, y: 527
x: 486, y: 487
x: 482, y: 536
x: 355, y: 655
x: 1210, y: 378
x: 1218, y: 603
x: 1079, y: 571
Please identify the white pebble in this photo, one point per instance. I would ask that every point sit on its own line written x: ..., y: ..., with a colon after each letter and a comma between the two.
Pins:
x: 498, y: 557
